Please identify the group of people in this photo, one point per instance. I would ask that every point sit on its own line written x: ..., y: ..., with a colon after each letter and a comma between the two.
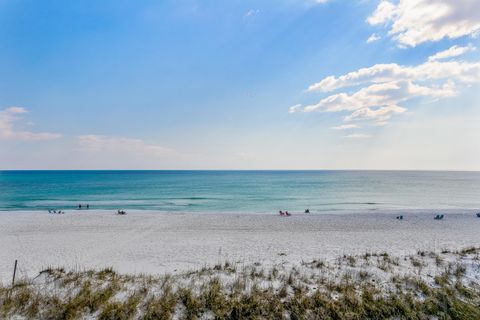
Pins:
x: 287, y: 214
x: 80, y: 206
x: 436, y: 217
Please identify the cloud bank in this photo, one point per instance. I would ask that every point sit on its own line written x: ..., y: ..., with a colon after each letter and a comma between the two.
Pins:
x: 378, y: 92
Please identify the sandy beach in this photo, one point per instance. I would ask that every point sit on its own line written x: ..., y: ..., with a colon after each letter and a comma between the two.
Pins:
x: 159, y: 243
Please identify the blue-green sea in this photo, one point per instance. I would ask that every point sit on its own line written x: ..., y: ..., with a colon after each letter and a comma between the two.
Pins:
x: 240, y: 191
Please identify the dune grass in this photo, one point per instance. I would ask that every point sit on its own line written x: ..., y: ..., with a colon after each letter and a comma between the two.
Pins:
x: 353, y: 287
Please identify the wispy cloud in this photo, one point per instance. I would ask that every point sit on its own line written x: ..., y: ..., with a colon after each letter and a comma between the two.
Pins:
x: 121, y: 145
x: 451, y: 52
x: 412, y: 22
x: 358, y: 136
x: 9, y: 116
x: 252, y: 13
x: 346, y: 127
x: 308, y: 3
x: 295, y: 108
x: 468, y: 72
x: 374, y: 37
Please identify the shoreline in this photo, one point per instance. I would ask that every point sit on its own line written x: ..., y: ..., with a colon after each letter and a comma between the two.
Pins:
x: 273, y: 212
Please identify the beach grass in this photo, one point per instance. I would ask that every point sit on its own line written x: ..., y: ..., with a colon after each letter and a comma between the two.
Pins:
x: 374, y: 286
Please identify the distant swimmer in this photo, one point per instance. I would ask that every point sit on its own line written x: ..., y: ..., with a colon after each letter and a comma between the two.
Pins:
x: 88, y: 206
x: 307, y: 210
x: 79, y: 206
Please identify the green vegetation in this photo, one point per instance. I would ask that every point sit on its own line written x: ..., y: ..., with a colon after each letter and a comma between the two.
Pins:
x: 224, y: 292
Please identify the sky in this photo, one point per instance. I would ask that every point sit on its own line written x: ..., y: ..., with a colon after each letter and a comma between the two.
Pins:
x: 240, y: 84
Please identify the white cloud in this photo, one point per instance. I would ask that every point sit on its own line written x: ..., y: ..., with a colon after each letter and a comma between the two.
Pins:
x: 380, y: 115
x: 378, y: 94
x: 451, y: 52
x: 251, y: 13
x: 120, y: 145
x: 308, y: 3
x: 9, y: 116
x: 378, y: 101
x: 295, y: 108
x: 384, y: 12
x: 373, y: 37
x: 413, y: 22
x: 357, y: 136
x: 380, y: 90
x: 468, y: 72
x: 346, y: 127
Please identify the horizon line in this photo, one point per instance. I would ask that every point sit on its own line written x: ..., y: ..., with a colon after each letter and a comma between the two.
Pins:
x: 246, y: 170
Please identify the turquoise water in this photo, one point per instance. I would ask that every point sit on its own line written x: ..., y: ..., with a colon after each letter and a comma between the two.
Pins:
x: 240, y: 191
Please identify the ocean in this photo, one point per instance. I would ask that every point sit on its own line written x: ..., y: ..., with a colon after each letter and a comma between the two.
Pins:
x: 241, y: 191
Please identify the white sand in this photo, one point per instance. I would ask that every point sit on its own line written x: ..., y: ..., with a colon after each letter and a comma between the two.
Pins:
x: 159, y: 243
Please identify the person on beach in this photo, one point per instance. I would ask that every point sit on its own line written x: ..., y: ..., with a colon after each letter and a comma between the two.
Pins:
x: 281, y: 212
x: 287, y: 214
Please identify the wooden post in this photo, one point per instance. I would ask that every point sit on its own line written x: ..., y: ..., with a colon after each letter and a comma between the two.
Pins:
x: 14, y: 273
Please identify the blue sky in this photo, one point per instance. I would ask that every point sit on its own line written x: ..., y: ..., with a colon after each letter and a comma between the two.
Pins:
x: 191, y: 84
